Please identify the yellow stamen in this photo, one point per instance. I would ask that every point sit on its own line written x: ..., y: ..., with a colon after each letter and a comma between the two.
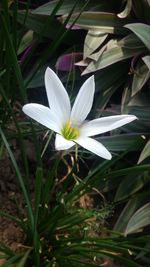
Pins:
x: 69, y: 132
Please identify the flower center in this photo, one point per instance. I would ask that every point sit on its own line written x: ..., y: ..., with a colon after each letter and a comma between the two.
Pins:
x: 69, y: 132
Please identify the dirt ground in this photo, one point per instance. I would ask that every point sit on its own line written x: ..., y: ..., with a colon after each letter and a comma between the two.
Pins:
x: 10, y: 233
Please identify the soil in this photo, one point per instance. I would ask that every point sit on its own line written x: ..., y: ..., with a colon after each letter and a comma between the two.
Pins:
x: 11, y: 234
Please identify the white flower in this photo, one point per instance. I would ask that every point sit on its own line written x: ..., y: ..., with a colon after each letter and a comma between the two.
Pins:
x: 69, y: 124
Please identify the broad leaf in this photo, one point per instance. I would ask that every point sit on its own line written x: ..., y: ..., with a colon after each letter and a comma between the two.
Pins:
x: 142, y: 112
x: 126, y: 10
x: 104, y: 22
x: 116, y: 51
x: 130, y: 185
x: 37, y: 23
x: 92, y: 41
x: 132, y: 205
x: 145, y: 152
x: 140, y: 219
x: 141, y: 76
x: 122, y: 142
x: 67, y: 6
x: 40, y: 25
x: 112, y: 56
x: 108, y: 80
x: 146, y: 59
x: 142, y: 31
x: 25, y: 41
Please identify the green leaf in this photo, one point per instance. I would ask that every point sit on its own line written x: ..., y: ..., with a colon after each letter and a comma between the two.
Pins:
x: 132, y: 205
x: 131, y: 170
x: 140, y: 219
x: 109, y: 57
x: 13, y: 58
x: 145, y: 152
x: 112, y: 179
x: 107, y: 81
x: 38, y: 192
x: 141, y: 76
x: 142, y: 31
x: 126, y: 10
x: 118, y: 51
x: 66, y: 7
x: 23, y: 260
x: 37, y: 80
x: 146, y: 59
x: 139, y: 100
x: 101, y: 21
x: 20, y: 179
x: 92, y: 41
x: 11, y: 261
x: 37, y: 24
x: 25, y: 41
x: 142, y: 113
x: 130, y: 185
x: 122, y: 142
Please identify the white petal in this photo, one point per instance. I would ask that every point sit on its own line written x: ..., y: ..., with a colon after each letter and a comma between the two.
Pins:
x: 57, y: 96
x: 105, y: 124
x: 43, y: 115
x: 62, y: 144
x: 83, y: 102
x: 94, y: 146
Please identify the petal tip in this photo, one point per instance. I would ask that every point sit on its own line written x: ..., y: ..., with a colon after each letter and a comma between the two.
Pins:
x: 91, y: 78
x: 48, y: 71
x: 25, y: 107
x: 109, y: 157
x: 133, y: 118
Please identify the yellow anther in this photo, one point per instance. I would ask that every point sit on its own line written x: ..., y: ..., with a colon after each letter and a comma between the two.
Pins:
x: 68, y: 124
x: 69, y: 132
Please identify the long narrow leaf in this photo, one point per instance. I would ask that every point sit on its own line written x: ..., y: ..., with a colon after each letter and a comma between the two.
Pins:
x: 20, y: 179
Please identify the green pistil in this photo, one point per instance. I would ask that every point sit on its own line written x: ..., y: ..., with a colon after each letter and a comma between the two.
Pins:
x: 70, y: 133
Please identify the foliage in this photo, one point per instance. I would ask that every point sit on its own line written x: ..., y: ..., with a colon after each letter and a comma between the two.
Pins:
x: 114, y: 38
